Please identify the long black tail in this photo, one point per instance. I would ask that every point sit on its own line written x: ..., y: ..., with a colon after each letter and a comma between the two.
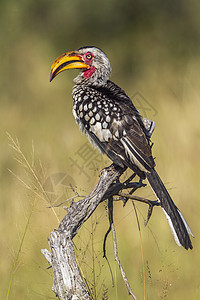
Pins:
x: 177, y: 223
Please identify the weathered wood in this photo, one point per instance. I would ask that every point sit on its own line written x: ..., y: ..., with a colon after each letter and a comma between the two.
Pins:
x: 68, y: 283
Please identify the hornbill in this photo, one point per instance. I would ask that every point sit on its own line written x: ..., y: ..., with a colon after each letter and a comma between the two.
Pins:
x: 112, y: 123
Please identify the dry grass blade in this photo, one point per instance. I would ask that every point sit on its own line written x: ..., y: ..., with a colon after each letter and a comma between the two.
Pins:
x: 36, y: 185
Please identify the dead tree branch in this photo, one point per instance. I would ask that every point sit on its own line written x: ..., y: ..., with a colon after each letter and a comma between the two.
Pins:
x: 68, y: 281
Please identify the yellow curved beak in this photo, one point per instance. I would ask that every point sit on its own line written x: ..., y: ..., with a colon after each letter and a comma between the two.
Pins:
x: 68, y: 60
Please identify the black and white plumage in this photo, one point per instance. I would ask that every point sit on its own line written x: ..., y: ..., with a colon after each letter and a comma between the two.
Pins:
x: 111, y: 122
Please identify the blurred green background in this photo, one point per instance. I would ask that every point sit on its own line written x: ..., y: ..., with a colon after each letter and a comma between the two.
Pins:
x: 154, y: 50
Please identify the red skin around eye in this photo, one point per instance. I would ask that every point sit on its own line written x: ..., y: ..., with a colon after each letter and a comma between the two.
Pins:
x: 88, y: 61
x: 91, y: 70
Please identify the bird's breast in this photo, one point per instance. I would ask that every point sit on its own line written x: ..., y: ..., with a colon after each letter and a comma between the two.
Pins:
x: 100, y: 114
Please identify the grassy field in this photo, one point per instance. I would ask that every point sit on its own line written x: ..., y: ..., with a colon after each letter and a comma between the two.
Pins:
x: 42, y: 154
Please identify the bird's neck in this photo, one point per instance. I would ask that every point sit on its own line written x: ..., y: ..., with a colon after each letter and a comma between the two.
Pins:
x: 92, y: 78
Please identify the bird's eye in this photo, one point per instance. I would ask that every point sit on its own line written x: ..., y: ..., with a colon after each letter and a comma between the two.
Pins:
x: 89, y: 56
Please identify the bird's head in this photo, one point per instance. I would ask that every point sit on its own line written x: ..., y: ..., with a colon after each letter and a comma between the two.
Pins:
x: 94, y: 65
